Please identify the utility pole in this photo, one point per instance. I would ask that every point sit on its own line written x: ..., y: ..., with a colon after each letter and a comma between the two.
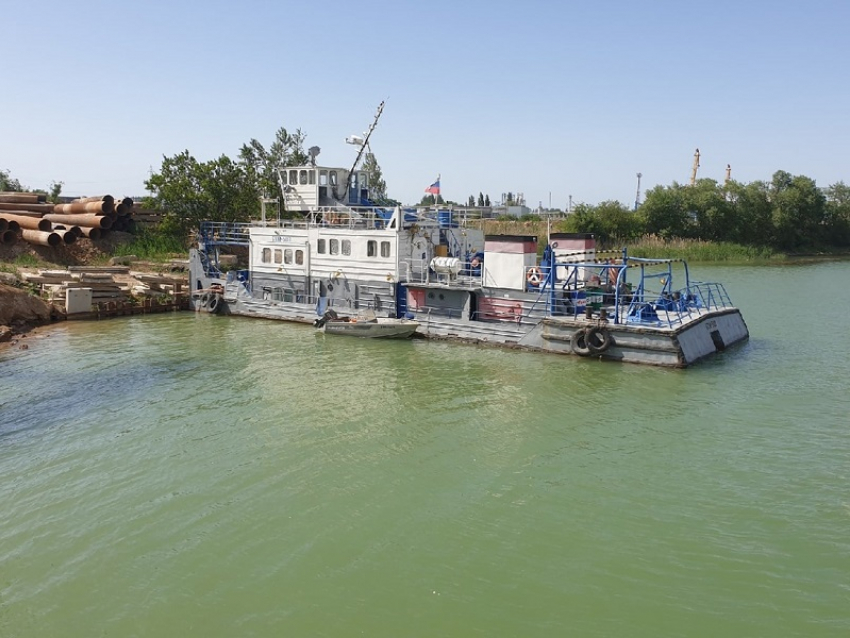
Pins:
x: 637, y: 195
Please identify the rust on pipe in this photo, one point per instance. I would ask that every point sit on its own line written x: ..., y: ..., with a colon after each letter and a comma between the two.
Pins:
x: 19, y: 198
x: 92, y: 233
x: 24, y: 221
x: 8, y: 237
x: 41, y: 238
x: 99, y: 221
x: 27, y: 209
x: 100, y: 198
x: 81, y: 208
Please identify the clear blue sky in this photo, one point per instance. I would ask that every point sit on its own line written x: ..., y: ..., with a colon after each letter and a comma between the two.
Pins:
x: 544, y: 98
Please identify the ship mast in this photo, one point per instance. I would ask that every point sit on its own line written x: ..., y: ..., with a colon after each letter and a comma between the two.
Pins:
x: 362, y: 144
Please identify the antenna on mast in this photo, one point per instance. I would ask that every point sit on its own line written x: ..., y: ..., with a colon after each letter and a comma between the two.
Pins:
x: 362, y: 142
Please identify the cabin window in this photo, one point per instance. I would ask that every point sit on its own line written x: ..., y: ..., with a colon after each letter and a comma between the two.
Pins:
x: 299, y: 257
x: 371, y: 248
x: 334, y: 246
x: 267, y: 255
x: 293, y: 177
x: 278, y: 256
x: 283, y: 177
x: 346, y: 246
x: 320, y: 246
x: 385, y: 249
x: 287, y: 256
x: 302, y: 177
x: 323, y: 178
x: 364, y: 180
x: 332, y: 175
x: 311, y: 175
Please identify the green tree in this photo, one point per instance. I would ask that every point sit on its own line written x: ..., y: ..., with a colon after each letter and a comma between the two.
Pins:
x: 665, y: 213
x: 261, y: 164
x: 481, y: 199
x: 487, y: 200
x: 753, y: 223
x: 471, y: 201
x: 8, y: 183
x: 837, y: 221
x: 191, y: 192
x: 377, y: 185
x: 710, y: 207
x: 799, y: 211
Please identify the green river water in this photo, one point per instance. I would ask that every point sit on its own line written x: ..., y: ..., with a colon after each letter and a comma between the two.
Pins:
x: 189, y: 475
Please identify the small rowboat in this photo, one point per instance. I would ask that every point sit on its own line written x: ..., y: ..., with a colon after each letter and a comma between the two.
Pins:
x: 371, y: 327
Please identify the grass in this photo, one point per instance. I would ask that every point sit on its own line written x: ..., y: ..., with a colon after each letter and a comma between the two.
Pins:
x: 27, y: 260
x: 152, y: 246
x: 648, y: 246
x: 702, y: 251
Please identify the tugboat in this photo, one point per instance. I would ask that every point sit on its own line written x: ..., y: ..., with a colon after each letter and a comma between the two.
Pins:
x: 349, y: 255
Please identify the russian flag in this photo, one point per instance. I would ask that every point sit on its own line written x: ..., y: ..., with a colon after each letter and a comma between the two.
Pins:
x: 434, y: 188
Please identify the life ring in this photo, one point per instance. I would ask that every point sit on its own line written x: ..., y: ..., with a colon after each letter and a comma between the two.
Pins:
x: 578, y: 343
x: 214, y: 304
x: 597, y: 339
x: 534, y: 276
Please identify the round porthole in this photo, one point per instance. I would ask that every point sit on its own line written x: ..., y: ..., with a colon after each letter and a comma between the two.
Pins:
x: 430, y: 295
x: 442, y: 296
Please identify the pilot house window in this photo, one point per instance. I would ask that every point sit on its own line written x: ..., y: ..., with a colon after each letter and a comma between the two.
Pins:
x: 267, y: 255
x: 371, y: 248
x: 385, y: 249
x: 320, y: 246
x: 334, y: 246
x: 346, y: 246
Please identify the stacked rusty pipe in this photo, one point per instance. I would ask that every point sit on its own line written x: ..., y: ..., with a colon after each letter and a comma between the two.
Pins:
x: 86, y: 217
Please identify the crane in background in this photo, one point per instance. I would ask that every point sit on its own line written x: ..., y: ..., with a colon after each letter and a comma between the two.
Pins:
x: 728, y: 174
x: 637, y: 195
x: 695, y: 168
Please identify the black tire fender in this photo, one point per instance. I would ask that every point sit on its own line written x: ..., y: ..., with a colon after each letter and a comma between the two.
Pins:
x: 578, y: 343
x: 204, y: 300
x: 597, y: 339
x: 214, y: 303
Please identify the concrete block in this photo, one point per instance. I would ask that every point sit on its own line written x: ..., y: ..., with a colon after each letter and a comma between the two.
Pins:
x: 78, y: 300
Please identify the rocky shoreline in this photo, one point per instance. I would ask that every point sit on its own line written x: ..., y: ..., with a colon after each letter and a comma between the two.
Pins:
x: 21, y: 311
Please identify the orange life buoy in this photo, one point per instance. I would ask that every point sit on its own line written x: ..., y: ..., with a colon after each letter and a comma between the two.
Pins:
x: 534, y: 276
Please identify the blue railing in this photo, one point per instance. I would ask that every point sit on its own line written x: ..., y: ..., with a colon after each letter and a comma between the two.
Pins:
x: 223, y: 234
